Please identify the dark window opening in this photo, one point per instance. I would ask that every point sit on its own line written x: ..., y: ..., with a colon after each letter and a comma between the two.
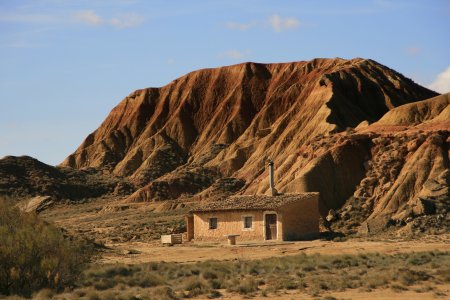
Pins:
x: 248, y: 222
x: 212, y: 223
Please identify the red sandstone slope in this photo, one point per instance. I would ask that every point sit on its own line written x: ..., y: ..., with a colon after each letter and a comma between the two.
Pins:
x: 226, y: 122
x: 395, y: 171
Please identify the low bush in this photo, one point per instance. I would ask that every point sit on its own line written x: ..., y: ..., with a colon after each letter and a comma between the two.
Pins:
x: 311, y: 274
x: 35, y: 255
x: 398, y: 288
x: 163, y: 293
x: 411, y: 277
x: 148, y: 280
x: 195, y: 287
x: 44, y: 294
x: 418, y: 259
x: 243, y: 287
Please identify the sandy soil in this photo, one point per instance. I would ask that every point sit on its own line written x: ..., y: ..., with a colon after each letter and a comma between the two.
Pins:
x: 379, y: 294
x: 192, y: 252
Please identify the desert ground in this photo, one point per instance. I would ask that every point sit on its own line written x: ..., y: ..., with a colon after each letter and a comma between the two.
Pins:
x: 139, y: 252
x: 128, y: 235
x: 136, y: 228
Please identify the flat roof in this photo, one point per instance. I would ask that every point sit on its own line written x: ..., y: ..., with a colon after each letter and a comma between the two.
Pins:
x: 251, y: 202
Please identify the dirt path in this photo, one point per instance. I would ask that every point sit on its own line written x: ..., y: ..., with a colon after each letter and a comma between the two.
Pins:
x: 144, y: 252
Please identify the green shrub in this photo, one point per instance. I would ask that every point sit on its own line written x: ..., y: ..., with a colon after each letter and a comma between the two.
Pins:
x: 163, y: 293
x: 411, y: 277
x: 148, y: 280
x: 117, y: 270
x: 35, y: 255
x: 92, y: 295
x: 376, y: 280
x: 243, y: 287
x: 216, y: 284
x: 195, y: 287
x: 418, y: 259
x: 44, y: 294
x: 215, y: 294
x: 80, y: 293
x: 109, y: 295
x: 209, y: 275
x: 104, y: 284
x: 398, y: 288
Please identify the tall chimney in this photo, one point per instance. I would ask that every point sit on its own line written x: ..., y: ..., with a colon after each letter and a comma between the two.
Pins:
x: 271, y: 179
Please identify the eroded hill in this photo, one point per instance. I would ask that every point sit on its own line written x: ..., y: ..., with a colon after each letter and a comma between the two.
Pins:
x: 185, y: 138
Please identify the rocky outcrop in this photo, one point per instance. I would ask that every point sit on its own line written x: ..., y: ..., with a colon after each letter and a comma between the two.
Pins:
x: 36, y: 204
x: 429, y: 111
x: 227, y: 122
x: 336, y: 166
x: 399, y: 175
x: 185, y: 182
x: 378, y: 179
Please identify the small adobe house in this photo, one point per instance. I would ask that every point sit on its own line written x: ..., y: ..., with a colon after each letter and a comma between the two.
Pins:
x: 260, y: 217
x: 257, y: 217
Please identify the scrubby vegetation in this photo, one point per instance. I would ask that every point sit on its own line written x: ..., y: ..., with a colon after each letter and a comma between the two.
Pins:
x: 25, y: 177
x: 120, y: 223
x: 35, y: 255
x: 311, y: 274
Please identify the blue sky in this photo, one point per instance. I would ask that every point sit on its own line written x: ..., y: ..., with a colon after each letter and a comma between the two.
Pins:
x: 65, y: 64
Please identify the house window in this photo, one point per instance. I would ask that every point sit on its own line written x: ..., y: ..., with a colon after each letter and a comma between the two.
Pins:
x: 212, y: 223
x: 248, y: 222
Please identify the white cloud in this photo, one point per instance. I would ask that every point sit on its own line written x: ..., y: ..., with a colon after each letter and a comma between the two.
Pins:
x: 235, y: 54
x: 88, y: 17
x: 240, y: 26
x: 442, y: 82
x: 279, y: 23
x: 127, y: 20
x: 276, y: 22
x: 170, y: 61
x: 91, y: 18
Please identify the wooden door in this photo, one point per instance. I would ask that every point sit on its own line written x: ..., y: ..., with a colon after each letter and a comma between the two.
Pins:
x: 271, y: 226
x: 190, y: 227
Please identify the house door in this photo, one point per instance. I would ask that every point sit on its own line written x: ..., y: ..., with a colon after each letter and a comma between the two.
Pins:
x: 190, y: 227
x: 271, y: 226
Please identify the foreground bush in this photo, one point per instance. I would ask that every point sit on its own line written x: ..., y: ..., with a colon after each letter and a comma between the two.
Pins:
x: 35, y: 255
